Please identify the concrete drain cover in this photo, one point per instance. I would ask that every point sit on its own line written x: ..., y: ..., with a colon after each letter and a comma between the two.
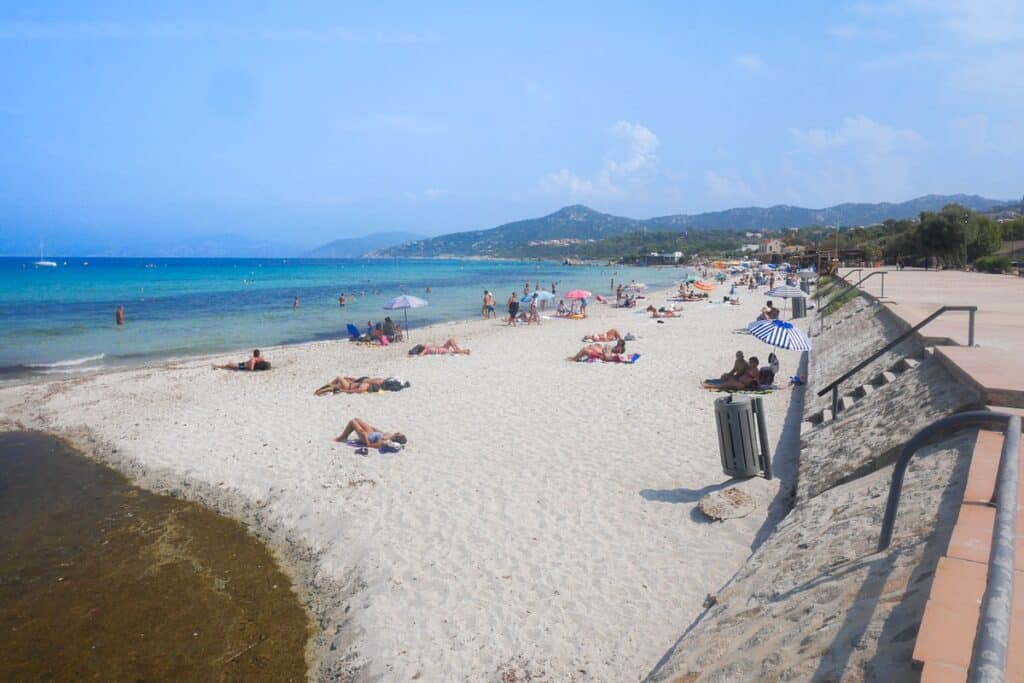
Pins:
x: 727, y: 504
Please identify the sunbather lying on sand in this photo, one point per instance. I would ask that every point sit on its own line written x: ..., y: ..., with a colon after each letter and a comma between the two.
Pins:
x: 255, y: 362
x: 450, y: 346
x: 604, y: 352
x: 370, y: 435
x: 610, y: 335
x: 351, y: 385
x: 663, y: 313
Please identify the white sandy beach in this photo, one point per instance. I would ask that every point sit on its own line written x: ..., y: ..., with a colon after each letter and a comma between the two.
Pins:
x: 542, y: 518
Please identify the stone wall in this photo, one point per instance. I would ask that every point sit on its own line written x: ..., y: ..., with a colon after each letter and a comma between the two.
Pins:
x: 815, y: 601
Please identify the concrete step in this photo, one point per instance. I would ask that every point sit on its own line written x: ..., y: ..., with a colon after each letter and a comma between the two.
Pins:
x: 909, y: 363
x: 887, y: 377
x: 846, y: 402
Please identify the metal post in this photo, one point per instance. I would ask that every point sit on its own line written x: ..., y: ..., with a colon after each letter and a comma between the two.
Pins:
x: 991, y: 641
x: 835, y: 401
x: 883, y: 286
x: 970, y: 328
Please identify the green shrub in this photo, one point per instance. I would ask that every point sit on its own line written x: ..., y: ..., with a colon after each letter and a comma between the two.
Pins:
x: 993, y: 264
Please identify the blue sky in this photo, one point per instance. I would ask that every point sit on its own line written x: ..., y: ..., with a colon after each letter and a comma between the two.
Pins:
x: 313, y: 121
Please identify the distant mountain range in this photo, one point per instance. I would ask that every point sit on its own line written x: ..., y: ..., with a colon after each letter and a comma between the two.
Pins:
x: 358, y: 246
x: 583, y: 223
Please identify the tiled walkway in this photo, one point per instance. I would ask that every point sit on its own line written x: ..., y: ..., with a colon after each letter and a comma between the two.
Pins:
x: 996, y: 362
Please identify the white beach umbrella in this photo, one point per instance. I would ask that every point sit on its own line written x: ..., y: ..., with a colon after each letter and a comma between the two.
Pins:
x: 405, y: 302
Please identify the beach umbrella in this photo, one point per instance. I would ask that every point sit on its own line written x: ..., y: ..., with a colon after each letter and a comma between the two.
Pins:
x: 543, y: 296
x: 578, y: 294
x: 767, y: 266
x: 781, y: 334
x: 787, y: 292
x: 405, y: 302
x: 634, y: 287
x: 704, y: 285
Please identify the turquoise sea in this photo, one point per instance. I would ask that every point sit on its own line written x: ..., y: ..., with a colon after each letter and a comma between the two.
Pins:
x: 60, y: 321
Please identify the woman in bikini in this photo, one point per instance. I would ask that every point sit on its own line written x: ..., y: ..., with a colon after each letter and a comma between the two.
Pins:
x: 607, y: 353
x: 351, y: 385
x: 450, y: 346
x: 369, y: 435
x: 610, y: 335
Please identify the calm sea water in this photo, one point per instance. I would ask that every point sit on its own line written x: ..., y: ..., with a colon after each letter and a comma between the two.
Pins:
x: 61, y: 320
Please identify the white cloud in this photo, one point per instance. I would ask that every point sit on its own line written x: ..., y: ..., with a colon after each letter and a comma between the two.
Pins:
x: 860, y: 160
x: 726, y: 185
x: 748, y: 62
x: 643, y: 146
x: 564, y: 180
x: 615, y: 175
x: 983, y: 21
x: 857, y: 132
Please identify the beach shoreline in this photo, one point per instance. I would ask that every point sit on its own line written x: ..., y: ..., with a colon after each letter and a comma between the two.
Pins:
x: 336, y: 519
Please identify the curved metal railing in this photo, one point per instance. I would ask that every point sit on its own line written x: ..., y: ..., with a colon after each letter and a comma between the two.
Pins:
x: 991, y: 641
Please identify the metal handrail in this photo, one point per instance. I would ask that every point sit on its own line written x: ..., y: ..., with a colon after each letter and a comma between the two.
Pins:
x: 834, y: 386
x: 874, y: 272
x: 991, y: 640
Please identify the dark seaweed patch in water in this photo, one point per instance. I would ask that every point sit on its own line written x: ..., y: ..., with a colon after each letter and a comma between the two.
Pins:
x: 100, y: 580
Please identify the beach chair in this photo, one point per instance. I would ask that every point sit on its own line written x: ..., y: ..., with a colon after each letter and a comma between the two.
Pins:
x: 353, y: 332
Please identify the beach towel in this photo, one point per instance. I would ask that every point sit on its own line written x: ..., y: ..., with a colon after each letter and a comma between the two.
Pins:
x: 712, y: 384
x: 630, y: 358
x: 383, y: 450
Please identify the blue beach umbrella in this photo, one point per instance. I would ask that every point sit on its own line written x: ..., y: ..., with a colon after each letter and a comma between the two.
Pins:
x: 780, y: 333
x: 405, y: 302
x: 543, y: 295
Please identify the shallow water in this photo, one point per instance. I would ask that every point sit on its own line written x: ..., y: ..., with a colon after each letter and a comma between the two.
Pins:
x: 100, y: 580
x: 60, y: 321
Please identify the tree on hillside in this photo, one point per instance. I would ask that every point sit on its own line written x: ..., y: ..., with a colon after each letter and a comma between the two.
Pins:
x: 958, y: 235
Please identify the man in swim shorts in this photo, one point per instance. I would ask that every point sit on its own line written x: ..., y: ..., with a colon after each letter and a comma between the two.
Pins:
x: 255, y: 362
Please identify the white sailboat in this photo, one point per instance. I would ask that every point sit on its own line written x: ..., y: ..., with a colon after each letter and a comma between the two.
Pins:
x: 42, y: 262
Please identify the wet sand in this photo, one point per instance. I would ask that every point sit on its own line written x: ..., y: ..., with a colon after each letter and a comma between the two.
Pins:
x: 100, y: 580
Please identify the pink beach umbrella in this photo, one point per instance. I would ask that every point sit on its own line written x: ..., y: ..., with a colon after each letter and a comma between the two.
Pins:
x: 578, y: 294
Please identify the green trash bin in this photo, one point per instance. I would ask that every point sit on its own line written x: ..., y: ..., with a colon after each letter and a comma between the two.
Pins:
x: 742, y: 436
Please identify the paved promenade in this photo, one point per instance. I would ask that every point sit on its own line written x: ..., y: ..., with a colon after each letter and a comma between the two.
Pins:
x: 996, y: 362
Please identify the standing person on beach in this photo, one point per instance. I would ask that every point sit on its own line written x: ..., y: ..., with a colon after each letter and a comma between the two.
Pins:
x: 553, y: 288
x: 526, y: 289
x: 513, y: 309
x: 119, y: 315
x: 534, y: 317
x: 488, y: 310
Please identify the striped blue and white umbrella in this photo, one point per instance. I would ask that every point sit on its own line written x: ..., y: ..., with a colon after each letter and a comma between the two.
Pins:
x: 787, y: 292
x: 781, y: 334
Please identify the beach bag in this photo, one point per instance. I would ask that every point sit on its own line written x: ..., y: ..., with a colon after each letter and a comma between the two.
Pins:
x: 384, y: 340
x: 765, y: 377
x: 393, y: 384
